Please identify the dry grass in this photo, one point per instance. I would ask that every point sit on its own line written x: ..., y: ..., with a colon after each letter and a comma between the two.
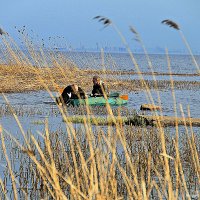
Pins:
x: 118, y: 162
x: 16, y: 78
x: 28, y: 78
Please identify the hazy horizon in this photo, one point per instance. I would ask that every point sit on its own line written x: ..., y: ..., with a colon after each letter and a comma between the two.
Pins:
x: 70, y: 23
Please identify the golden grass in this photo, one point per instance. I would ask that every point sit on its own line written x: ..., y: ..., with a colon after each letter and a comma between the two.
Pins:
x: 123, y: 163
x: 118, y: 162
x: 16, y: 78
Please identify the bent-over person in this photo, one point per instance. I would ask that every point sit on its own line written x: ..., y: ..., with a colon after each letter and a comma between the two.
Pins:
x: 71, y: 92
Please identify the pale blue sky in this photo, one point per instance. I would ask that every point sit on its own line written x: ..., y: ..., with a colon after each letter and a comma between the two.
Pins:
x: 73, y: 20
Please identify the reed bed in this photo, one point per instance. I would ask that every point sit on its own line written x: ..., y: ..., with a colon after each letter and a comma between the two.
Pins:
x: 28, y: 111
x: 88, y: 161
x: 24, y: 79
x: 114, y: 164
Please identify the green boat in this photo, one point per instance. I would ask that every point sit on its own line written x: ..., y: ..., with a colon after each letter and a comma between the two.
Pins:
x: 114, y: 99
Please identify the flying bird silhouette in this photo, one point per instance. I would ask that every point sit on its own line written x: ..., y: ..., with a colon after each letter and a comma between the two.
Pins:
x: 170, y: 23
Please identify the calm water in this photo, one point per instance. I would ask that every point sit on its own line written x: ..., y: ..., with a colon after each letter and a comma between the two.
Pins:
x: 35, y: 104
x: 33, y: 109
x: 119, y: 61
x: 116, y: 61
x: 179, y: 64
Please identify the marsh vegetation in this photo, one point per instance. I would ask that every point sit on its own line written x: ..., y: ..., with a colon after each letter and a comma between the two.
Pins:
x: 87, y: 161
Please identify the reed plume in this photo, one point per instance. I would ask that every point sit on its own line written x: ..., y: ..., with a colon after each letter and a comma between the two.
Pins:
x: 104, y: 20
x: 170, y: 23
x: 174, y: 25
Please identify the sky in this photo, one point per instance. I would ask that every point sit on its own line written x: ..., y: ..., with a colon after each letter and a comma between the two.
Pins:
x: 73, y: 20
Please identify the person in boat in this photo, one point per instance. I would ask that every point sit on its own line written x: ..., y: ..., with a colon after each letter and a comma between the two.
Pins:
x: 99, y: 88
x: 71, y: 92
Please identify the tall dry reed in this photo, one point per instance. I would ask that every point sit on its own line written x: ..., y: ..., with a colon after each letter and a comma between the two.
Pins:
x: 91, y: 162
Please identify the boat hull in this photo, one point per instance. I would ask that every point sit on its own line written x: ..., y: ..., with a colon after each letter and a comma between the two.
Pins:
x: 99, y: 101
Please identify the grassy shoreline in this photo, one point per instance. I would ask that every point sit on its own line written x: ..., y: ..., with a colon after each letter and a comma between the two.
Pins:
x: 15, y: 78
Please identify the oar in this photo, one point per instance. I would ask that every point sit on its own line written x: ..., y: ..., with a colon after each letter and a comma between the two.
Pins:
x: 116, y: 94
x: 124, y: 96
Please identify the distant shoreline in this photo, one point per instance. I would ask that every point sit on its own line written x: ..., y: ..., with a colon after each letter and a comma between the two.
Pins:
x: 109, y: 51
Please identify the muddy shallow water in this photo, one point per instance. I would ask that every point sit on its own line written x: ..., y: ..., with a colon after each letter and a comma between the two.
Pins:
x: 34, y: 107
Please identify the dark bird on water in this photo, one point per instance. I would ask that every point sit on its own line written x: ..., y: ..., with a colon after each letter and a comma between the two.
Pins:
x: 170, y: 23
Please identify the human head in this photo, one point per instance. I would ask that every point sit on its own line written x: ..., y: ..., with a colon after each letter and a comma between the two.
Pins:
x: 96, y: 80
x: 75, y: 88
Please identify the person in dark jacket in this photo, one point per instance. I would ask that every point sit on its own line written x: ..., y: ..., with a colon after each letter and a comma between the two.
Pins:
x: 71, y: 92
x: 99, y: 88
